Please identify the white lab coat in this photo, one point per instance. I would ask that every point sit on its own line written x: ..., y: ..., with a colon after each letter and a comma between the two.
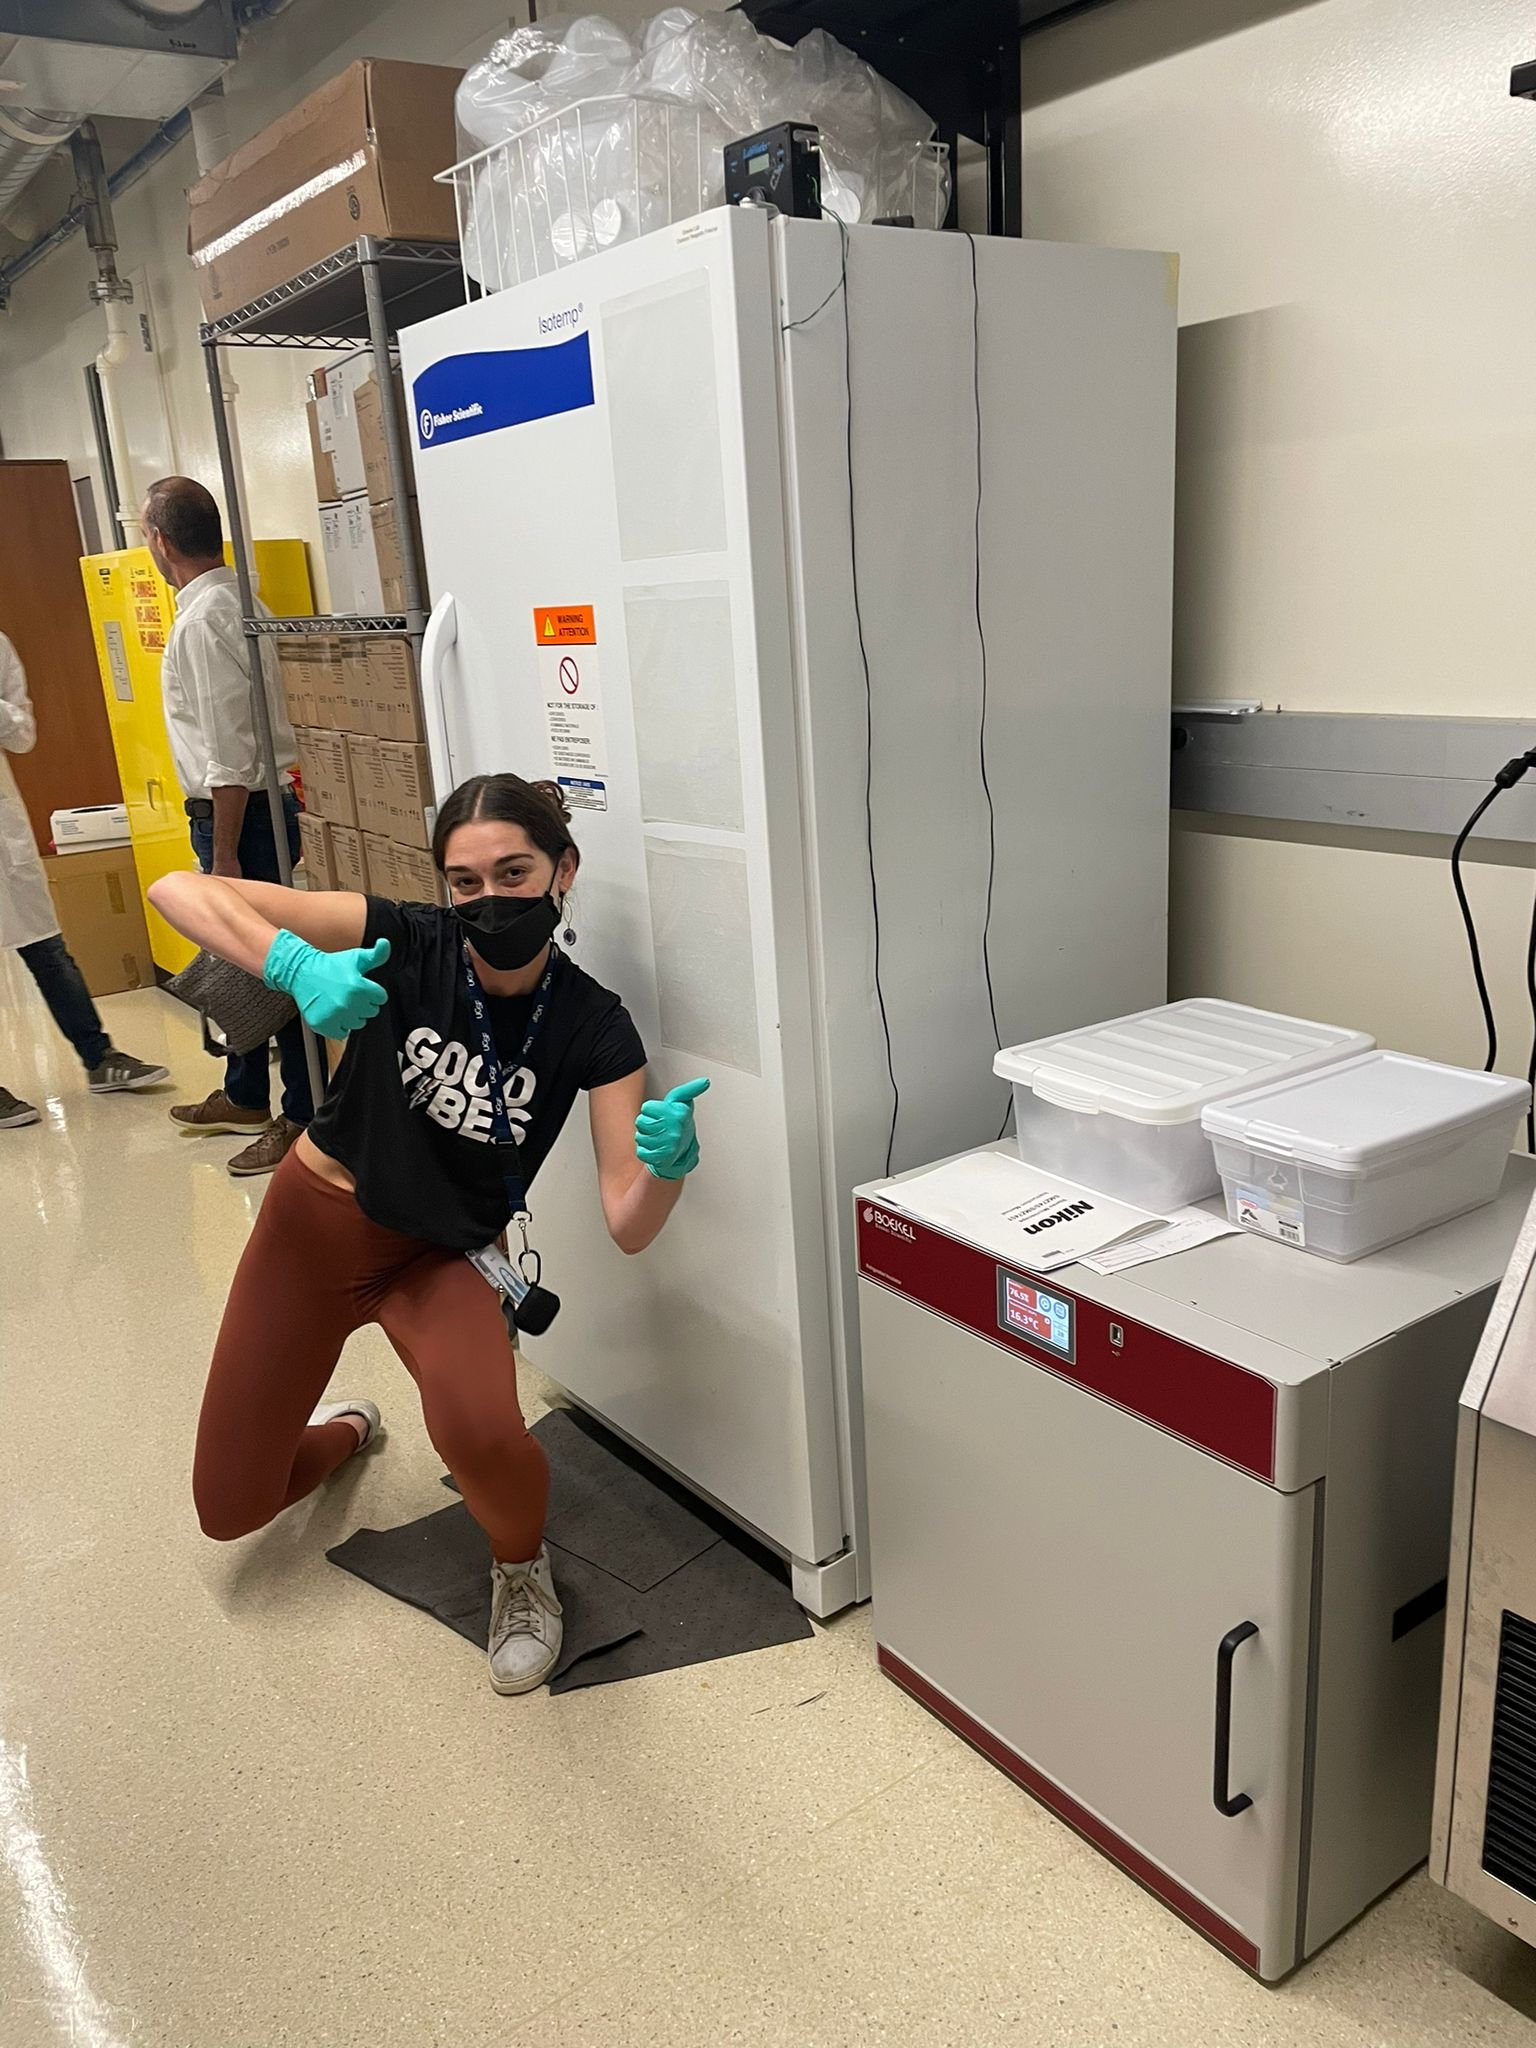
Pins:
x: 26, y: 908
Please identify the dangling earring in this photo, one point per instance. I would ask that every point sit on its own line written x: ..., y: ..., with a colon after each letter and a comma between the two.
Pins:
x: 569, y: 934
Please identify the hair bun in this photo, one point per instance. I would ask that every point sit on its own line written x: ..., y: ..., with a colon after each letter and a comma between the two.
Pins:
x: 554, y: 796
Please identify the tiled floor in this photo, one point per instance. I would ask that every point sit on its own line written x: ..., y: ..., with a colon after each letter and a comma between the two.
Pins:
x: 245, y: 1802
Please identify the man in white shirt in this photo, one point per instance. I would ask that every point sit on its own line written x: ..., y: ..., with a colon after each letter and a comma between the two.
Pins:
x: 206, y: 683
x: 28, y: 922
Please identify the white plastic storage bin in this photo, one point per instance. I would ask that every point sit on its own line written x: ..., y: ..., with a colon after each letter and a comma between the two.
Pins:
x: 1367, y: 1153
x: 1117, y: 1106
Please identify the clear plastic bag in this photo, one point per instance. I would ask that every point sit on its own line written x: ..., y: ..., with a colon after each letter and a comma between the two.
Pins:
x: 537, y: 71
x: 579, y: 137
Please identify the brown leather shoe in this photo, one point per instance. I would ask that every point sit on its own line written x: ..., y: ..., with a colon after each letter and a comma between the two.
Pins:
x: 216, y: 1116
x: 268, y: 1152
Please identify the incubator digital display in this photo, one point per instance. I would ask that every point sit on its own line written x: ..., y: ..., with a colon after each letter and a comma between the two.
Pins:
x: 1034, y: 1313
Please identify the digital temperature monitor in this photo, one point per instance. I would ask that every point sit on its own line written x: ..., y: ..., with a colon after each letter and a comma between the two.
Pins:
x: 1035, y: 1314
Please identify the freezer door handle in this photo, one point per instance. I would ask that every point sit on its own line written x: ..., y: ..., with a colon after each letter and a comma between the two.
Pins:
x: 1226, y: 1650
x: 441, y: 634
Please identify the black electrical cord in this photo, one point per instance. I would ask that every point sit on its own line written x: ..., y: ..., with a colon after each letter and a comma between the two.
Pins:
x: 869, y: 723
x: 981, y: 642
x: 1467, y: 919
x: 1512, y: 772
x: 841, y: 289
x: 1530, y: 1071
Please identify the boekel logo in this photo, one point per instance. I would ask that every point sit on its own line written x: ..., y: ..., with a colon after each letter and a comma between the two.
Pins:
x: 893, y: 1226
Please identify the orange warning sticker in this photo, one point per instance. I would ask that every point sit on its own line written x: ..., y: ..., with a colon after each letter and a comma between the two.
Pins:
x: 565, y: 625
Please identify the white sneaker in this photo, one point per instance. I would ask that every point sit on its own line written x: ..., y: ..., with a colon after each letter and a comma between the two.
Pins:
x: 526, y: 1628
x: 366, y: 1413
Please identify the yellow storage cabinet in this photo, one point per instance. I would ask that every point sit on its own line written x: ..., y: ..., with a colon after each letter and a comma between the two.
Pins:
x: 132, y: 609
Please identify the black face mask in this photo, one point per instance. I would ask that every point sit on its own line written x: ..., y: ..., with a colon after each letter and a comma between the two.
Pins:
x: 508, y: 931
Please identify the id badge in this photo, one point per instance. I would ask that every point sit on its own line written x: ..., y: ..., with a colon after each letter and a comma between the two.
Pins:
x: 493, y: 1265
x: 529, y: 1307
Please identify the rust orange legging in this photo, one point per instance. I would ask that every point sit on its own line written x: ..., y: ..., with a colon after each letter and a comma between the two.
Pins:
x: 314, y: 1270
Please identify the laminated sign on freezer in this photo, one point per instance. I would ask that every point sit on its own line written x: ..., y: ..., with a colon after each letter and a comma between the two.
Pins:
x: 639, y: 521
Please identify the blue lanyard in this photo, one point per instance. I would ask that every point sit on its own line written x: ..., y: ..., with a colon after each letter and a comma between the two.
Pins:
x: 490, y: 1067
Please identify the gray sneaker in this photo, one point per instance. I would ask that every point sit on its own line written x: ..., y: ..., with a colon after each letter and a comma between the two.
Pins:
x: 526, y: 1625
x: 14, y: 1112
x: 120, y: 1071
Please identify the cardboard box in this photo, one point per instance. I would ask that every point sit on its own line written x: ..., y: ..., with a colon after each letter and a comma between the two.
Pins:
x: 296, y: 673
x: 101, y: 914
x: 319, y: 854
x: 369, y: 783
x: 348, y: 859
x: 313, y: 684
x: 358, y: 157
x: 326, y: 768
x: 381, y: 688
x: 371, y: 571
x: 416, y: 877
x: 320, y: 456
x: 362, y: 568
x: 368, y: 418
x: 333, y: 391
x: 333, y: 709
x: 338, y: 561
x: 353, y: 676
x: 379, y: 853
x: 407, y: 778
x: 392, y: 535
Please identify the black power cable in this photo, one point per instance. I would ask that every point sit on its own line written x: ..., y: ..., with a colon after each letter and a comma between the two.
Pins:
x: 1467, y: 919
x: 840, y: 289
x: 981, y: 641
x: 1512, y: 772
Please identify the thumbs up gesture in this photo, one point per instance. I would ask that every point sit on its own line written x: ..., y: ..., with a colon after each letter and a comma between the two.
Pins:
x: 332, y: 990
x: 666, y: 1140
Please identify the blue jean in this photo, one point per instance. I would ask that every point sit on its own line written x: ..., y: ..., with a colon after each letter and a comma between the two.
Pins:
x: 247, y: 1080
x: 63, y: 989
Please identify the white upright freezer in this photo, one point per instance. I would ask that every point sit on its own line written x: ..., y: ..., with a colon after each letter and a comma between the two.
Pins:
x: 750, y: 533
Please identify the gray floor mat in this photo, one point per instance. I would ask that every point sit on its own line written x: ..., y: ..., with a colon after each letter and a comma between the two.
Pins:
x: 440, y: 1565
x: 649, y: 1578
x: 615, y: 1515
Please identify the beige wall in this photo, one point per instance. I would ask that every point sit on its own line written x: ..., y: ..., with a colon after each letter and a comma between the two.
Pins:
x: 1353, y: 196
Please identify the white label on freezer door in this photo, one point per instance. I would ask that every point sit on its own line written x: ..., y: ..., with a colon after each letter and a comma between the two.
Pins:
x: 1270, y: 1215
x: 117, y: 660
x: 581, y: 793
x: 566, y: 637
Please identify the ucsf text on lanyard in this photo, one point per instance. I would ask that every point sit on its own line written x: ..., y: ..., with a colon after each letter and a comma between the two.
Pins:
x: 532, y: 1307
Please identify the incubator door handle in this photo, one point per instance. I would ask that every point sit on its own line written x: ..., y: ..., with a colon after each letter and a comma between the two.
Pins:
x: 1226, y: 1802
x: 442, y: 633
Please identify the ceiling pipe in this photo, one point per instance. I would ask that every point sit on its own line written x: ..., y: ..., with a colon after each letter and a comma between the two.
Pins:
x: 114, y: 294
x: 28, y: 138
x: 210, y: 139
x: 164, y: 139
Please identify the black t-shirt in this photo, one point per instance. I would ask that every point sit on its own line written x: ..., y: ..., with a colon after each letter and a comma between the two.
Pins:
x: 408, y: 1113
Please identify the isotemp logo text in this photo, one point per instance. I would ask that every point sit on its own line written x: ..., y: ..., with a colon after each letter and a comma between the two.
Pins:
x: 567, y: 320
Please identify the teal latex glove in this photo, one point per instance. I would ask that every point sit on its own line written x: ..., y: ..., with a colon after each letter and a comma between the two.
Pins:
x: 666, y: 1142
x: 332, y: 990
